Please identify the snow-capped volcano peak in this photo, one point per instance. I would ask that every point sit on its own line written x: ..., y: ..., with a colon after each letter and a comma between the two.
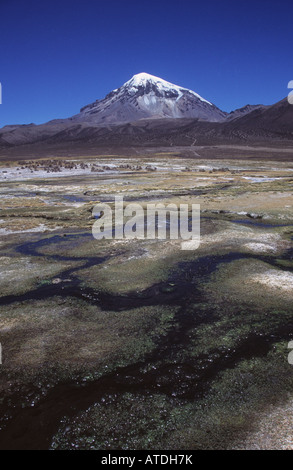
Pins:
x: 146, y: 96
x: 141, y: 80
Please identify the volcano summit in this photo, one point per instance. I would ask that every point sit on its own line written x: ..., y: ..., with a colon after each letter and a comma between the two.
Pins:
x: 146, y: 96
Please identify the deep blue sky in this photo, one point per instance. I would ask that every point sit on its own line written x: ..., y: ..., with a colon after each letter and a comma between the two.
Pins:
x: 57, y: 56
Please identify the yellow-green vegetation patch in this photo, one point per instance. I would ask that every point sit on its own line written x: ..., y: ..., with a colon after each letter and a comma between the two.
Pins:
x: 53, y: 216
x: 135, y: 266
x: 136, y: 422
x: 77, y: 245
x: 21, y: 274
x: 252, y: 281
x: 232, y: 406
x: 59, y: 337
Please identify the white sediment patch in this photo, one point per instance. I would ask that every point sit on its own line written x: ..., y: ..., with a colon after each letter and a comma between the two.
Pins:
x: 39, y: 228
x: 273, y: 430
x: 260, y: 179
x: 274, y: 279
x: 8, y: 174
x: 234, y: 232
x: 260, y: 247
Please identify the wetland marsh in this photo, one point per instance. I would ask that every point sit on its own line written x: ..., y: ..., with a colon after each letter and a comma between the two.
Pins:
x: 137, y: 344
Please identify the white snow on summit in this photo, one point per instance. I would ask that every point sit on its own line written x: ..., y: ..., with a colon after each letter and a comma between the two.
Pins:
x: 142, y: 78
